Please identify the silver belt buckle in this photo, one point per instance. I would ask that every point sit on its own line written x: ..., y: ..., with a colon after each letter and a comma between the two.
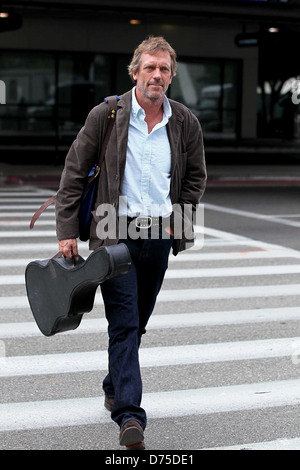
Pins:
x: 143, y: 226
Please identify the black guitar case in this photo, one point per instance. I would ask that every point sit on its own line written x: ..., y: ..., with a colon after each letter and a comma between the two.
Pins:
x: 59, y: 293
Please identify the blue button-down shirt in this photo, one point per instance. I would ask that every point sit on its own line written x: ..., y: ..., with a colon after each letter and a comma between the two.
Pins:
x: 146, y: 183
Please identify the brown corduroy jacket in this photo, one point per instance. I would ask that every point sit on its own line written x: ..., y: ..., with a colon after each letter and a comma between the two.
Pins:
x: 188, y: 170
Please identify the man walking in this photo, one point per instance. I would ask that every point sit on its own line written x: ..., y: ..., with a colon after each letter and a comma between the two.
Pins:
x: 154, y: 164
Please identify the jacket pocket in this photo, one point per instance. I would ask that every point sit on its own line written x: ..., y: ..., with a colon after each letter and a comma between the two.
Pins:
x: 182, y: 160
x: 178, y: 176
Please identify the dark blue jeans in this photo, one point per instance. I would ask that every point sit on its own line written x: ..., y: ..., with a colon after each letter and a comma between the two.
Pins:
x: 129, y: 301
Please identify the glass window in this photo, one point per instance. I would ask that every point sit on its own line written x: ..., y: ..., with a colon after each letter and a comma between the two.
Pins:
x: 49, y: 94
x: 209, y: 89
x: 279, y: 109
x: 83, y: 82
x: 123, y: 80
x: 29, y: 78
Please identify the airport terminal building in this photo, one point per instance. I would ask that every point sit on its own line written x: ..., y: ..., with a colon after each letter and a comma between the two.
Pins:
x: 238, y: 67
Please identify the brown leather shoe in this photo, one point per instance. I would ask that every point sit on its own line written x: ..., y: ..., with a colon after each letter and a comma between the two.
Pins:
x: 132, y: 436
x: 108, y: 403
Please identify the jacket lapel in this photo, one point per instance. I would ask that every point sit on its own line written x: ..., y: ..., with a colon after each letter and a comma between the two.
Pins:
x: 174, y: 132
x: 122, y: 126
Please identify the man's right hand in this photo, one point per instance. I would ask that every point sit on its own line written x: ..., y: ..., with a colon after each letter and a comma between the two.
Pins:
x: 69, y: 248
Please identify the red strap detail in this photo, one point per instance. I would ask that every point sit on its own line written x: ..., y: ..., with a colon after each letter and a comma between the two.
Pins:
x: 139, y: 444
x: 41, y: 210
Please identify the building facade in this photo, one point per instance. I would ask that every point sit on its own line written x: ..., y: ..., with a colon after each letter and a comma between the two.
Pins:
x: 236, y: 66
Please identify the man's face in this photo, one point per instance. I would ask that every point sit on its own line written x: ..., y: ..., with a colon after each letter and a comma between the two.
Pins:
x: 154, y: 75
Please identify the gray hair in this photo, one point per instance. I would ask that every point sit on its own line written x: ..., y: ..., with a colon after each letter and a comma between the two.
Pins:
x: 152, y: 45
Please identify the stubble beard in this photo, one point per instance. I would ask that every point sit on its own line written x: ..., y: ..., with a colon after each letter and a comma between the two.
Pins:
x: 150, y: 95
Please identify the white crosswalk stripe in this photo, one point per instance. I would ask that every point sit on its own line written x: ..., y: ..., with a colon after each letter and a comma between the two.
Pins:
x: 149, y: 357
x: 280, y: 444
x: 32, y: 415
x: 185, y: 295
x: 17, y: 279
x: 187, y: 355
x: 158, y: 322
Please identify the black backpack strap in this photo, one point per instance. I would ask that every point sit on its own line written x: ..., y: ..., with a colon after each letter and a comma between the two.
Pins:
x: 112, y: 101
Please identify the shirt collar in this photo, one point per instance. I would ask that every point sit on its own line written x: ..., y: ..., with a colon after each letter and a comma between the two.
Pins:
x: 135, y: 107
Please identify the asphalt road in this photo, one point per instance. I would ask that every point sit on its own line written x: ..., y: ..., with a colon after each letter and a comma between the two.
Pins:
x: 221, y: 357
x: 270, y: 214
